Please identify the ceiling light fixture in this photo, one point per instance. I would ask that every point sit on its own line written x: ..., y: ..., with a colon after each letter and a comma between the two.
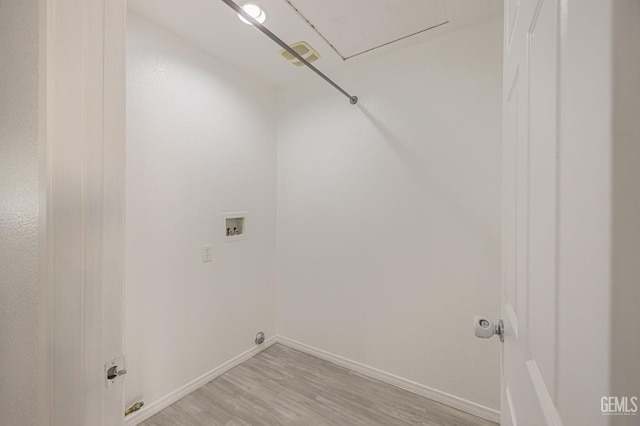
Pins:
x: 255, y: 11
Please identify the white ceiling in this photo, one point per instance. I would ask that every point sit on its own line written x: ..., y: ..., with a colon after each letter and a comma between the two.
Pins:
x: 354, y: 27
x: 213, y: 26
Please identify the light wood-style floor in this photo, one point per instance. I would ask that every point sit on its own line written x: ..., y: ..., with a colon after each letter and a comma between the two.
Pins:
x: 282, y: 386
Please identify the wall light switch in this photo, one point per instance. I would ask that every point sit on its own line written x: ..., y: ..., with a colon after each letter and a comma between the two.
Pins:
x: 207, y: 253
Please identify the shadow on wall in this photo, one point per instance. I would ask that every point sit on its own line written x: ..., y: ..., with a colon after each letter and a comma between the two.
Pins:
x: 422, y: 175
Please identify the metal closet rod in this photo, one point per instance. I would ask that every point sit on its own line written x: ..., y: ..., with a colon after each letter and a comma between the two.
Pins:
x: 285, y: 46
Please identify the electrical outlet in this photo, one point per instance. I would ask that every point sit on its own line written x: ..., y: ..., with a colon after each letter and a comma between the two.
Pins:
x: 207, y: 253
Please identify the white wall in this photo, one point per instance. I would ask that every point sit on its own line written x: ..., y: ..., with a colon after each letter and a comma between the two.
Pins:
x: 201, y: 140
x: 19, y: 192
x: 389, y: 213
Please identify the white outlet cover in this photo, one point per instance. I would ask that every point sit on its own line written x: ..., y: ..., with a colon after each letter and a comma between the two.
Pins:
x: 207, y: 253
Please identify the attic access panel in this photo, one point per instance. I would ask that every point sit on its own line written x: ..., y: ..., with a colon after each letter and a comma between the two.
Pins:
x: 354, y: 27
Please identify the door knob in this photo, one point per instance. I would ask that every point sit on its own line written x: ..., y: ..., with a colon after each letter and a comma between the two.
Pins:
x: 484, y: 328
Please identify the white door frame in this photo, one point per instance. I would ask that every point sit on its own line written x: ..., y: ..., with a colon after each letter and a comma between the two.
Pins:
x: 82, y: 140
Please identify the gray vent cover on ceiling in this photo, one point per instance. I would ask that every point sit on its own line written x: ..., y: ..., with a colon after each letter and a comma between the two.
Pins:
x: 303, y: 49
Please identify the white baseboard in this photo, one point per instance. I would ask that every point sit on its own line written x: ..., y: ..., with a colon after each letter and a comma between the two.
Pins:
x: 422, y: 390
x: 156, y: 406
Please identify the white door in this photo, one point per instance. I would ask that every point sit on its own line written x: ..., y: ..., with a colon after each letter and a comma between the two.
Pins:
x: 530, y: 96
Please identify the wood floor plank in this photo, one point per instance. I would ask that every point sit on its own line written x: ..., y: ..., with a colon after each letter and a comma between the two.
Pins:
x: 282, y: 386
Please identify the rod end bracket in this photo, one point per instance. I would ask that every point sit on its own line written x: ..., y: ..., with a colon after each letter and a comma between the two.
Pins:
x: 353, y: 100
